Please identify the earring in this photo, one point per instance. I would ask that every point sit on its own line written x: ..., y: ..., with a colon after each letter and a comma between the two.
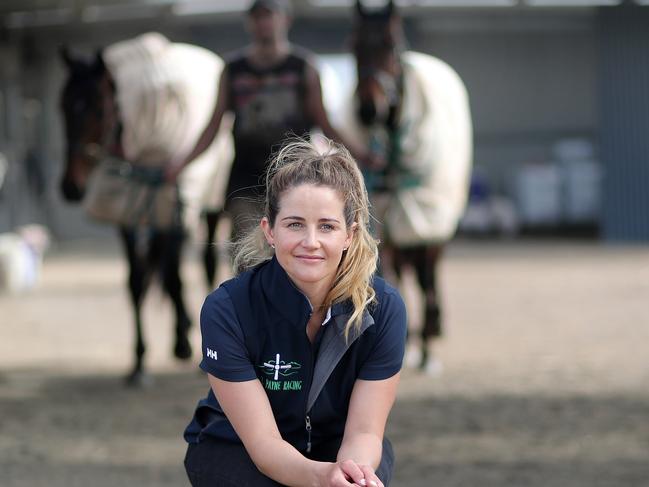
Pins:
x: 272, y: 245
x: 345, y: 249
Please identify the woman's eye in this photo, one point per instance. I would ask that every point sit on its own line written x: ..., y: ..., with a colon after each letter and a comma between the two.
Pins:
x: 295, y: 225
x: 327, y: 227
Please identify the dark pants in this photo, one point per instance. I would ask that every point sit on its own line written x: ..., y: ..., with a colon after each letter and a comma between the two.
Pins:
x: 217, y: 463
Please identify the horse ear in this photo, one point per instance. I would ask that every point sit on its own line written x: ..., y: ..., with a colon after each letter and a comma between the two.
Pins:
x: 360, y: 11
x: 99, y: 65
x: 389, y: 9
x: 64, y: 52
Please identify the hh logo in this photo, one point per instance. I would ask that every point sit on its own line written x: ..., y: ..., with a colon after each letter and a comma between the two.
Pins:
x: 212, y: 354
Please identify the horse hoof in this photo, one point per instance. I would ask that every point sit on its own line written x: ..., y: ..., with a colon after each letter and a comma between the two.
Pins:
x: 413, y: 356
x: 433, y: 367
x: 182, y: 349
x: 139, y: 380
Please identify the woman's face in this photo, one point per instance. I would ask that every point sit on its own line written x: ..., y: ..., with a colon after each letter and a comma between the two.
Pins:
x: 309, y: 235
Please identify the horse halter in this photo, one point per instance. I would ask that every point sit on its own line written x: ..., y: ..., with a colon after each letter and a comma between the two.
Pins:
x: 377, y: 44
x: 388, y: 83
x: 109, y: 126
x: 91, y: 121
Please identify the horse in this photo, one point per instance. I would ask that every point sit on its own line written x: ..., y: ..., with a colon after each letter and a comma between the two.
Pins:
x: 412, y: 111
x: 109, y: 111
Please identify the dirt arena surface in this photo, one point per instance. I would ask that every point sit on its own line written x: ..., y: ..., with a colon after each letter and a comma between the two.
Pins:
x: 546, y: 378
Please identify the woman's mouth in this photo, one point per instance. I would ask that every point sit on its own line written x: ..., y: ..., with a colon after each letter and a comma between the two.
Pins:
x: 310, y: 258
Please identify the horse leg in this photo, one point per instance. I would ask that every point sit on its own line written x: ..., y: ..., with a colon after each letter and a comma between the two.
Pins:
x: 399, y: 260
x: 388, y: 266
x: 173, y: 244
x: 426, y: 260
x: 138, y: 282
x: 210, y: 259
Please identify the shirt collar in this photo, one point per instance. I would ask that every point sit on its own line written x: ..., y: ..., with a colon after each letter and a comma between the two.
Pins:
x: 327, y: 317
x: 281, y: 293
x: 278, y: 289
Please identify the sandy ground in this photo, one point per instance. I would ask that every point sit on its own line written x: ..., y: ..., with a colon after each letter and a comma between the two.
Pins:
x: 546, y: 379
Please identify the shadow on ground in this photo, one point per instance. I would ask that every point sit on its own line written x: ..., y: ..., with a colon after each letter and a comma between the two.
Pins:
x: 91, y: 430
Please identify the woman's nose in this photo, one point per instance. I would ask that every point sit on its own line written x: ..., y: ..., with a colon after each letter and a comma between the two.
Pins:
x: 310, y: 239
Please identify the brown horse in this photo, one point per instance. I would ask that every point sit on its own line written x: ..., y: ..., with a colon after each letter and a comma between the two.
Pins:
x: 92, y: 130
x: 418, y: 195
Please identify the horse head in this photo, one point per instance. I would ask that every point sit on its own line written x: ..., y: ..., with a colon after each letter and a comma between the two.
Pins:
x: 90, y: 116
x: 377, y: 41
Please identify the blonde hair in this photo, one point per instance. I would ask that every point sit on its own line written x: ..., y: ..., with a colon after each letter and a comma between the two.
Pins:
x: 329, y: 164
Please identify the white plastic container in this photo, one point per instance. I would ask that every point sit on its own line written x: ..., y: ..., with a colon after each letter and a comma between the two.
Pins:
x: 537, y: 194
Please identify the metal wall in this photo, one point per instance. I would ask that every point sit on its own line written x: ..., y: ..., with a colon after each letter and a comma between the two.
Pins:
x: 624, y: 95
x: 531, y: 78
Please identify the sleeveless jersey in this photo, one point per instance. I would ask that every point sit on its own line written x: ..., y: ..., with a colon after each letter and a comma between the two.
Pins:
x: 268, y: 104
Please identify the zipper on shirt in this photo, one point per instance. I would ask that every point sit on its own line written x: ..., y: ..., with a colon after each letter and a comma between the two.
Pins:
x: 307, y: 417
x: 308, y: 433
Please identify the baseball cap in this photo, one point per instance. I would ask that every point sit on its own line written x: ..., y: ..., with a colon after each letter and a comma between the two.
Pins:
x: 272, y: 5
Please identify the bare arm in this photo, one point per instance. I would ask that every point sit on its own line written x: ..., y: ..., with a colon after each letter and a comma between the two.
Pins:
x: 369, y: 408
x: 210, y: 131
x: 247, y: 408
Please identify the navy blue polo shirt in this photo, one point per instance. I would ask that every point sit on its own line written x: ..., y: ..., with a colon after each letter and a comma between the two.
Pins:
x: 254, y: 328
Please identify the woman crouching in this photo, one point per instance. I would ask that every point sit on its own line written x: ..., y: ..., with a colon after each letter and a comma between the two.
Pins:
x: 303, y: 348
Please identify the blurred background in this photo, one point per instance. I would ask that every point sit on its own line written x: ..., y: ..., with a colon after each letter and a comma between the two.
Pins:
x: 546, y: 378
x: 556, y: 87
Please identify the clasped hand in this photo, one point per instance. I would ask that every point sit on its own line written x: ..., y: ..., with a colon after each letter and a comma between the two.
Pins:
x: 349, y: 473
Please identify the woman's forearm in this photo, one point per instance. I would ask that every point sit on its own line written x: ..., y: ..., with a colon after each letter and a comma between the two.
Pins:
x: 280, y: 461
x: 362, y: 448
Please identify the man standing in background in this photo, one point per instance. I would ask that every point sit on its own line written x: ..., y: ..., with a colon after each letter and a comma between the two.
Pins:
x: 273, y: 89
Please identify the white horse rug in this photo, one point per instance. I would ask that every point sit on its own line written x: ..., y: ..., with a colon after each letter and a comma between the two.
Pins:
x: 436, y: 147
x: 166, y: 94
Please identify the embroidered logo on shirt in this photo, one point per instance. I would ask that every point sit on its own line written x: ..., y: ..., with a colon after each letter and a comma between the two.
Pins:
x: 277, y: 368
x: 212, y: 354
